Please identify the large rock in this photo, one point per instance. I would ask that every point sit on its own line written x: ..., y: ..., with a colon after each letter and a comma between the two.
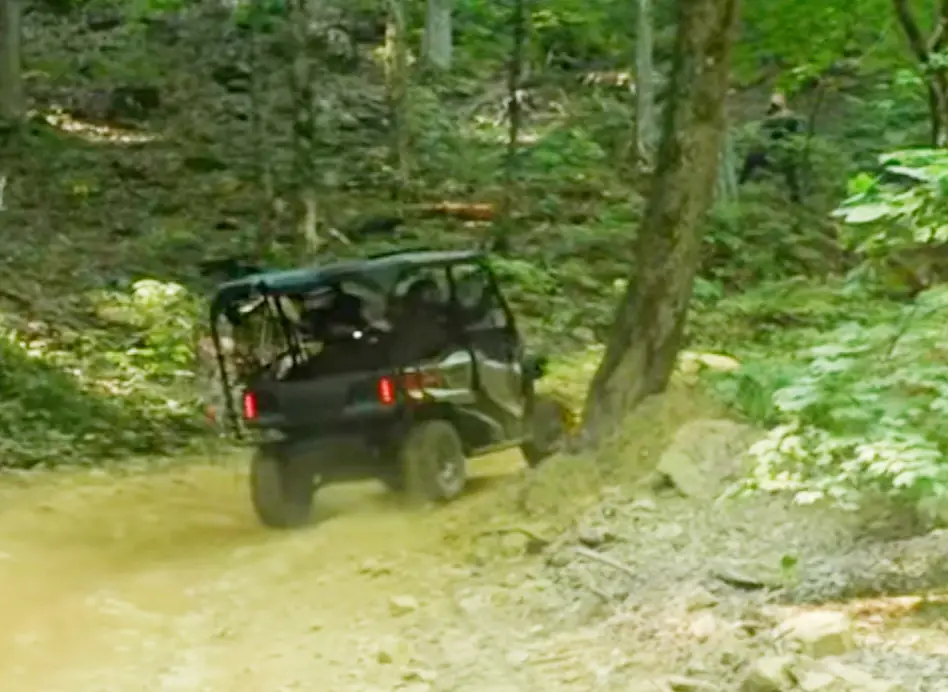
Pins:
x: 682, y: 683
x: 832, y: 676
x: 769, y: 674
x: 691, y: 363
x: 705, y: 456
x: 402, y: 605
x: 820, y: 633
x: 854, y: 679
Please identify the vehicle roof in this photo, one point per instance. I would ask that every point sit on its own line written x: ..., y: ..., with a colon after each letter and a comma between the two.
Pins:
x: 381, y: 270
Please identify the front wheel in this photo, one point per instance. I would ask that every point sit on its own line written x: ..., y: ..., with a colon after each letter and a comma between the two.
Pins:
x: 549, y: 422
x: 433, y: 465
x: 281, y: 492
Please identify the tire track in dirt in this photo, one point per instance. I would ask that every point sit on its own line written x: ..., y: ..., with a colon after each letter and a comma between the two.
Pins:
x: 164, y: 581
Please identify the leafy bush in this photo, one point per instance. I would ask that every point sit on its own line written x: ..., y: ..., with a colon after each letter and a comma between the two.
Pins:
x: 72, y: 396
x: 903, y: 207
x: 859, y: 408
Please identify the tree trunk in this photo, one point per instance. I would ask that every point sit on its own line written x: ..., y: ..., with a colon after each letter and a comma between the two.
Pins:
x: 302, y: 89
x: 261, y: 165
x: 641, y: 352
x: 726, y: 189
x: 437, y: 43
x: 514, y: 107
x: 646, y: 125
x: 396, y: 50
x: 11, y: 77
x: 933, y: 71
x: 938, y: 109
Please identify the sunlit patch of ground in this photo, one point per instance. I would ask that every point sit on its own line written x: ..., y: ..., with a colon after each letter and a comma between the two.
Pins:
x: 97, y: 133
x: 103, y: 572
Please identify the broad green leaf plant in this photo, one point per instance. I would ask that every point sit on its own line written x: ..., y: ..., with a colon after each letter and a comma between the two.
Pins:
x: 867, y: 404
x: 905, y: 206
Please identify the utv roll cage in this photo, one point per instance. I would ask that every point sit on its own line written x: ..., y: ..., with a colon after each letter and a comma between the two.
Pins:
x: 379, y: 273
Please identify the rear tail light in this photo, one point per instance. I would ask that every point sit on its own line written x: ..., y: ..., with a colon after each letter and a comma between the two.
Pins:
x: 386, y: 391
x: 250, y: 406
x: 417, y: 383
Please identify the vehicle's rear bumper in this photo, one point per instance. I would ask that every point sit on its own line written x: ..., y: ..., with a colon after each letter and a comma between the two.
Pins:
x: 340, y: 456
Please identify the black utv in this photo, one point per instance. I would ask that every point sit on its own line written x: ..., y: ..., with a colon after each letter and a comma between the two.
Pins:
x: 398, y: 367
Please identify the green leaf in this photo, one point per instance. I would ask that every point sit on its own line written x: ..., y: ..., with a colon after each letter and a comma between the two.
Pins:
x: 866, y: 213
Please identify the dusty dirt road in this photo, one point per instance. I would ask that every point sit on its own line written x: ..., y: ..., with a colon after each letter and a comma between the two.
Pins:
x: 164, y: 581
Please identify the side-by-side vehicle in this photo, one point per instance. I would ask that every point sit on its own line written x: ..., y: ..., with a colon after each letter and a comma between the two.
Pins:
x: 399, y: 367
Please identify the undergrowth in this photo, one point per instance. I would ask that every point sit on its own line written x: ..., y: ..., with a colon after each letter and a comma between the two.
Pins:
x: 99, y: 210
x: 855, y: 395
x: 125, y: 388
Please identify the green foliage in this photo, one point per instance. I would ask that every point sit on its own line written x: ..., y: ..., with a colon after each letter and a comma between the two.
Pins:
x: 74, y: 395
x: 894, y: 115
x: 882, y: 216
x: 807, y: 38
x: 564, y: 31
x: 127, y: 384
x: 860, y: 407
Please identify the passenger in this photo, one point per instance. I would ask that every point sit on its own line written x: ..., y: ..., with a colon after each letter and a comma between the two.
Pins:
x: 340, y: 316
x: 421, y: 323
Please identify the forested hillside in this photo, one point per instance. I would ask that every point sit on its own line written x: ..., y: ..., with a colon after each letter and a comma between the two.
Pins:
x: 751, y: 248
x: 143, y: 141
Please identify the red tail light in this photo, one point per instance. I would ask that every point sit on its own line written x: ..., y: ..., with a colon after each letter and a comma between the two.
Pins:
x: 250, y: 406
x: 417, y: 382
x: 386, y: 391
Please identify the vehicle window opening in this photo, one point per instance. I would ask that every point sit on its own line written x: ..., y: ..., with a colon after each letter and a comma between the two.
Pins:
x: 419, y: 309
x: 333, y: 329
x: 479, y: 305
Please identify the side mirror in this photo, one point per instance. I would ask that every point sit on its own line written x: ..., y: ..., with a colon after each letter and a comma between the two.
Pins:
x: 535, y: 367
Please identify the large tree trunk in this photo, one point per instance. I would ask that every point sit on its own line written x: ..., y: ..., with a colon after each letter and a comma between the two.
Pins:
x: 933, y: 70
x: 646, y: 125
x: 11, y: 84
x: 649, y: 322
x: 437, y: 43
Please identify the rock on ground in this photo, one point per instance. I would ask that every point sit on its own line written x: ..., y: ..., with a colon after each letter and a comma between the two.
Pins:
x: 705, y: 456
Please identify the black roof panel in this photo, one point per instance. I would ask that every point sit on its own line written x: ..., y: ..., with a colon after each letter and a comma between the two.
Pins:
x: 377, y: 270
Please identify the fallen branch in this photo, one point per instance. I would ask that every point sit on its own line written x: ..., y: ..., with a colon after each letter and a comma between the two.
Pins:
x: 541, y: 540
x: 604, y: 559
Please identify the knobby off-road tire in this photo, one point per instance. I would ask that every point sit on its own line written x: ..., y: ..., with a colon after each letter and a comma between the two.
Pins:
x: 549, y: 423
x: 281, y: 492
x: 432, y: 462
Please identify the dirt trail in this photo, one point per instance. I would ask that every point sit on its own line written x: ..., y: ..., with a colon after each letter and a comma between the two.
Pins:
x: 164, y: 581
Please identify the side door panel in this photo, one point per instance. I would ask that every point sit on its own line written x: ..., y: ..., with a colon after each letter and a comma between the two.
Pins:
x: 489, y: 329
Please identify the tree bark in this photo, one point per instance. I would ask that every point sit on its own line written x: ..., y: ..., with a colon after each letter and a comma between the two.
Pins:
x: 438, y: 42
x: 933, y: 71
x: 396, y: 50
x: 302, y: 89
x: 726, y: 189
x: 641, y: 352
x: 646, y: 125
x: 11, y: 77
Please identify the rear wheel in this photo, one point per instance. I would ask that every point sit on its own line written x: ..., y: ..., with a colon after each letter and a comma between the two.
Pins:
x: 549, y: 422
x: 281, y: 492
x: 433, y: 465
